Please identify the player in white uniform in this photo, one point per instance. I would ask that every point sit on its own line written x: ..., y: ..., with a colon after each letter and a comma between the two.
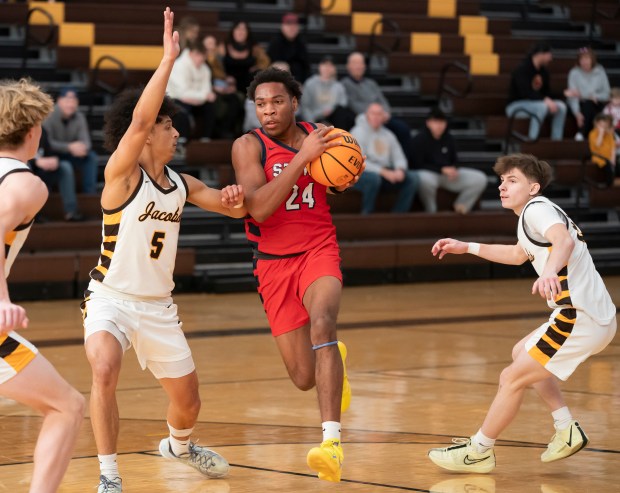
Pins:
x: 128, y: 301
x: 583, y: 321
x: 25, y: 375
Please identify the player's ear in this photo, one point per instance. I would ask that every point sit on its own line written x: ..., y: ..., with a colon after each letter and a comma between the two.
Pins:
x: 295, y: 103
x: 534, y: 188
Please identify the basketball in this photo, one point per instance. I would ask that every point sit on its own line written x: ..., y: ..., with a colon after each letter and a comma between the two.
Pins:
x: 338, y: 165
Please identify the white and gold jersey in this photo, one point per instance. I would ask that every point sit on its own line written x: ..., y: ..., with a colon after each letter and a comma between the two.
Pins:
x: 13, y: 240
x: 582, y: 286
x: 140, y: 239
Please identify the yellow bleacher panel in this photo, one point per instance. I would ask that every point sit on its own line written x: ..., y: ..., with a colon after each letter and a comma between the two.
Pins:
x: 340, y: 7
x: 133, y: 57
x: 77, y: 34
x: 442, y: 8
x: 425, y: 43
x: 56, y: 10
x: 470, y: 24
x: 362, y: 22
x: 478, y: 43
x: 484, y: 64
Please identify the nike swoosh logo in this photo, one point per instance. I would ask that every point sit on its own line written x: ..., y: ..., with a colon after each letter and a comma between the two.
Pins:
x: 271, y: 148
x: 467, y: 461
x: 570, y: 437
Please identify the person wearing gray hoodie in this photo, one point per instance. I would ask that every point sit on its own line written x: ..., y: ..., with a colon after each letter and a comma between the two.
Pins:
x: 386, y: 164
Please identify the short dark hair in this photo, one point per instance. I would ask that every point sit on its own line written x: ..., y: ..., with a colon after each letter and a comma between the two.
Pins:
x: 604, y: 117
x: 436, y: 114
x: 272, y: 74
x: 197, y: 46
x: 540, y: 47
x: 118, y: 118
x: 533, y: 168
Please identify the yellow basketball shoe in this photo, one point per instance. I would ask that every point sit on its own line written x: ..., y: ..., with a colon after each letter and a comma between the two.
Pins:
x: 565, y: 443
x: 463, y: 457
x: 346, y: 387
x: 326, y: 460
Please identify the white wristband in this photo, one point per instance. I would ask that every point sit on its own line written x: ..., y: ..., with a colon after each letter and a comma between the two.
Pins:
x: 473, y: 248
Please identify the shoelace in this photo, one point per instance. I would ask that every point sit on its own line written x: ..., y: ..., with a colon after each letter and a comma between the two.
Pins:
x: 460, y: 441
x: 108, y: 484
x: 204, y: 458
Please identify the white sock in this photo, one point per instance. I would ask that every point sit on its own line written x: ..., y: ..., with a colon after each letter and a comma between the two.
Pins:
x: 562, y: 418
x: 108, y: 466
x: 331, y: 430
x: 179, y: 447
x: 482, y: 442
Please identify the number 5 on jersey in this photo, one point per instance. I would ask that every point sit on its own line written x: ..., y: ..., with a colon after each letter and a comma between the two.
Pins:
x: 157, y: 243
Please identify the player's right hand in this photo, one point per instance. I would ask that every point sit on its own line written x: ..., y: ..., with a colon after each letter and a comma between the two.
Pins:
x: 12, y: 317
x: 171, y: 39
x: 448, y: 245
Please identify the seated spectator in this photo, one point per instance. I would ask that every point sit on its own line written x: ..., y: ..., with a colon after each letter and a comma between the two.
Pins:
x: 386, y: 164
x: 588, y: 91
x: 362, y: 91
x: 602, y: 142
x: 190, y: 87
x: 189, y: 30
x: 436, y: 162
x: 288, y: 46
x: 55, y: 172
x: 613, y: 109
x: 229, y: 103
x: 69, y: 138
x: 325, y: 99
x: 243, y: 57
x: 530, y: 92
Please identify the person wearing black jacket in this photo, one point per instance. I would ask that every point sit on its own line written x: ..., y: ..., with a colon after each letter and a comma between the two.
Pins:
x: 530, y: 93
x: 288, y: 46
x: 435, y: 160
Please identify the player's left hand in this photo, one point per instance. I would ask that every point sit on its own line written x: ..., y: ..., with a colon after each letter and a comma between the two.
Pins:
x: 355, y: 179
x: 547, y: 286
x: 232, y: 196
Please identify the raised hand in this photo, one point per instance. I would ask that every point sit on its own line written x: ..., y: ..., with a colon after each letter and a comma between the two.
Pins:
x: 171, y: 39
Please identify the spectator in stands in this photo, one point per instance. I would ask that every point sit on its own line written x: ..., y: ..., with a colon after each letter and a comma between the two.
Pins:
x: 435, y: 159
x: 243, y: 57
x: 229, y: 103
x: 325, y: 99
x: 289, y: 46
x: 588, y: 91
x: 530, y: 92
x: 602, y: 142
x: 190, y: 88
x: 69, y: 138
x: 613, y: 109
x: 362, y: 91
x: 386, y: 164
x: 56, y: 172
x: 189, y: 30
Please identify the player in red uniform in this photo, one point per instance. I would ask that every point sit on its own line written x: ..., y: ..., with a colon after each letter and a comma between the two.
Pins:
x: 296, y: 256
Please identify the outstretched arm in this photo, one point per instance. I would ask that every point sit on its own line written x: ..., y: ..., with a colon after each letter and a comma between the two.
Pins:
x: 23, y: 195
x: 122, y: 172
x: 503, y: 254
x: 228, y: 201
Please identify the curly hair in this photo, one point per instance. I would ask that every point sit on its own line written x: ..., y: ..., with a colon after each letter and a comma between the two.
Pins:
x: 118, y: 118
x: 23, y: 105
x: 273, y: 74
x: 533, y: 168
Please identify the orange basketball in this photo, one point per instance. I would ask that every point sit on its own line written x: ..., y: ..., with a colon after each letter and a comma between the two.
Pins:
x: 337, y: 165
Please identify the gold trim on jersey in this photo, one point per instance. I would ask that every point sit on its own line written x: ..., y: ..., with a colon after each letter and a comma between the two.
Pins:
x: 554, y: 337
x: 15, y: 353
x: 111, y: 227
x: 9, y: 238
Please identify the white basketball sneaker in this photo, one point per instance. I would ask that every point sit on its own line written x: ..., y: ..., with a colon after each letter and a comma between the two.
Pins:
x: 565, y: 443
x: 463, y: 457
x: 110, y: 485
x: 206, y: 461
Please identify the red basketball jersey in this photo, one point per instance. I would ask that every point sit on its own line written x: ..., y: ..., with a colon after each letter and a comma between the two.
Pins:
x: 303, y: 220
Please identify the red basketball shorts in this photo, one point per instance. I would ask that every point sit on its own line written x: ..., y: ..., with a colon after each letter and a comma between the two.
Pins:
x: 282, y: 284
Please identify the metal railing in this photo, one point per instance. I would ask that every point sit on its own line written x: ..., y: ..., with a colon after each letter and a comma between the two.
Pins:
x: 512, y: 134
x: 596, y: 12
x: 98, y: 85
x: 28, y: 37
x: 445, y: 88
